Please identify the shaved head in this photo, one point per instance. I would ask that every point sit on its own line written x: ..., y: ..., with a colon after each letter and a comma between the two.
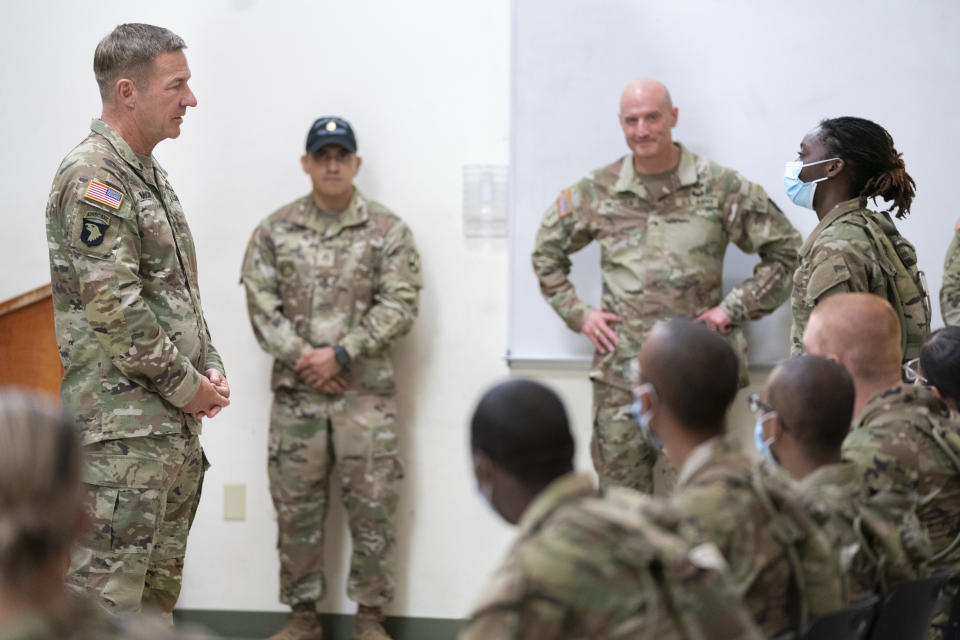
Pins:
x: 647, y: 117
x: 694, y: 371
x: 814, y: 398
x: 860, y: 330
x: 645, y: 91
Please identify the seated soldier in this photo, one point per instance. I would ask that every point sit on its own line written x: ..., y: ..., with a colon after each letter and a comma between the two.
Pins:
x: 777, y: 555
x: 41, y: 514
x: 904, y: 438
x: 583, y: 566
x: 803, y: 415
x: 939, y: 365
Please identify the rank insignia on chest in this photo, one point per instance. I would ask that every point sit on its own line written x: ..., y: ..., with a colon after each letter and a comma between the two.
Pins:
x: 564, y: 205
x: 95, y: 227
x: 99, y: 192
x: 326, y: 258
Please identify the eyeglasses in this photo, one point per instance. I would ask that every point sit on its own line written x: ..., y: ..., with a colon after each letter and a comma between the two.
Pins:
x: 911, y: 372
x: 758, y: 406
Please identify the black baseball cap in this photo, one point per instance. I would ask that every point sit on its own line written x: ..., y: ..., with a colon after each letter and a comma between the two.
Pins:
x: 331, y: 130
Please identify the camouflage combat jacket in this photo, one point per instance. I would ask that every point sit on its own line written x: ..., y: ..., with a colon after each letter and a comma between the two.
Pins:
x: 950, y: 290
x: 589, y: 567
x: 854, y: 249
x: 662, y: 254
x: 130, y: 327
x: 316, y: 278
x: 906, y: 440
x: 768, y: 538
x: 879, y: 540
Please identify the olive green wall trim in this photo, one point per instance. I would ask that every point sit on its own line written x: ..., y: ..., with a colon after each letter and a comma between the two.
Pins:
x: 260, y: 624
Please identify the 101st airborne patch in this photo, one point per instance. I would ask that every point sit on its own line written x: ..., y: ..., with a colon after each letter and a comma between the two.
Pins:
x: 95, y: 225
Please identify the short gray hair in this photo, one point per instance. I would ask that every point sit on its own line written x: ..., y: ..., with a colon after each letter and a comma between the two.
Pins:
x: 131, y: 48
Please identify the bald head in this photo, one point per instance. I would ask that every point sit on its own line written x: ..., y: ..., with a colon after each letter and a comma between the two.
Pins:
x: 694, y: 371
x: 645, y: 91
x: 860, y: 330
x: 814, y: 398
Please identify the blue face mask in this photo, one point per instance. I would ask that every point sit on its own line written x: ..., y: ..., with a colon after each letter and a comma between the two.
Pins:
x: 800, y: 192
x: 643, y: 418
x: 763, y: 446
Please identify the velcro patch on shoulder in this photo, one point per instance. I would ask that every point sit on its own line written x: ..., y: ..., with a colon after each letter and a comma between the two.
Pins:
x: 94, y: 228
x: 104, y: 194
x: 564, y: 203
x: 827, y: 274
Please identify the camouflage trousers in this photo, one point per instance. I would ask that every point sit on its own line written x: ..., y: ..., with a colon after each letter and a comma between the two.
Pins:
x: 620, y: 454
x: 143, y: 495
x: 311, y: 435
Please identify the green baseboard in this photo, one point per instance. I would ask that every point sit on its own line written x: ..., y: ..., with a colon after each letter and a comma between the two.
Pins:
x: 261, y: 624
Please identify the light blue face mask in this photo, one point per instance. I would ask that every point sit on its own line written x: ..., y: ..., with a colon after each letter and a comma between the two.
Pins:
x: 643, y: 417
x: 763, y: 446
x: 800, y: 192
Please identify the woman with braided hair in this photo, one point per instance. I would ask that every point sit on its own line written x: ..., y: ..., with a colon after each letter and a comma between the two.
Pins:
x: 42, y: 513
x: 841, y: 164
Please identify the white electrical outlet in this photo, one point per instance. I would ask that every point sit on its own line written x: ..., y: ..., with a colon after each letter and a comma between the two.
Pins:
x: 234, y: 502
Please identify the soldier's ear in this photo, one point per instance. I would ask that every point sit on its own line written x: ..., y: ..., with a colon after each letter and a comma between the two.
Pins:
x: 835, y: 167
x: 125, y: 92
x: 304, y: 162
x: 482, y: 467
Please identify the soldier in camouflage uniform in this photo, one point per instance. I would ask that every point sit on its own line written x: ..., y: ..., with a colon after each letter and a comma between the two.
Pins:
x: 802, y: 419
x: 332, y: 280
x: 904, y: 438
x: 950, y: 290
x: 779, y: 558
x: 583, y: 566
x: 663, y: 217
x: 41, y: 514
x: 139, y: 368
x: 841, y: 164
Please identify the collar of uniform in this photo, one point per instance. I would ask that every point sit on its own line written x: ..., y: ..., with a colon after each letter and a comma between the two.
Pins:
x: 123, y: 150
x: 842, y: 474
x: 900, y: 396
x: 566, y: 488
x: 328, y: 223
x: 838, y: 211
x: 629, y: 181
x: 701, y: 455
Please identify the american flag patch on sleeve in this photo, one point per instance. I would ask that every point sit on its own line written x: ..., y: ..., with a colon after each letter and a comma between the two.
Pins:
x: 564, y: 206
x: 99, y: 192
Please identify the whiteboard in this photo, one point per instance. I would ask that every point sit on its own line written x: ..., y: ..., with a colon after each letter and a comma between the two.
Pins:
x: 750, y: 78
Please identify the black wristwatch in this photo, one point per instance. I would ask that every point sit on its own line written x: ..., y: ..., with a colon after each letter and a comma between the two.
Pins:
x: 341, y: 356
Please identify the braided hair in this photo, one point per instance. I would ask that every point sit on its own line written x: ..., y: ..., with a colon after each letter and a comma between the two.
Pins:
x: 876, y: 167
x: 41, y: 494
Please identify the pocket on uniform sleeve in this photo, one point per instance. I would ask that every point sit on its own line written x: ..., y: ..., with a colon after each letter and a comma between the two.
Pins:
x: 825, y: 275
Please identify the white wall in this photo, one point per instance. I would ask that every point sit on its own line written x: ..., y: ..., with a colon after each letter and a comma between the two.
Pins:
x: 426, y: 85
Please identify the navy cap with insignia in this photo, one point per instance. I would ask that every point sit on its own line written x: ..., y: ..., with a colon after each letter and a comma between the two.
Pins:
x: 331, y: 130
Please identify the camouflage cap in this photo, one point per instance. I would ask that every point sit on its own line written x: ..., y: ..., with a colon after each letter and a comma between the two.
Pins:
x: 331, y: 130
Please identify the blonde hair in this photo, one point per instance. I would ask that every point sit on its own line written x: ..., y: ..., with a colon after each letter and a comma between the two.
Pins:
x: 41, y: 495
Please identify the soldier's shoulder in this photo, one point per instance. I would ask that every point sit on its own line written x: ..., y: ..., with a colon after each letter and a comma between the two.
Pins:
x: 719, y: 175
x: 93, y: 158
x: 603, y: 178
x: 290, y: 212
x: 382, y: 214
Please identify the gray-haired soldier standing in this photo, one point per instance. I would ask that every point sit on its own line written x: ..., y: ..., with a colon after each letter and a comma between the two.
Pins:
x: 139, y: 367
x: 332, y: 280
